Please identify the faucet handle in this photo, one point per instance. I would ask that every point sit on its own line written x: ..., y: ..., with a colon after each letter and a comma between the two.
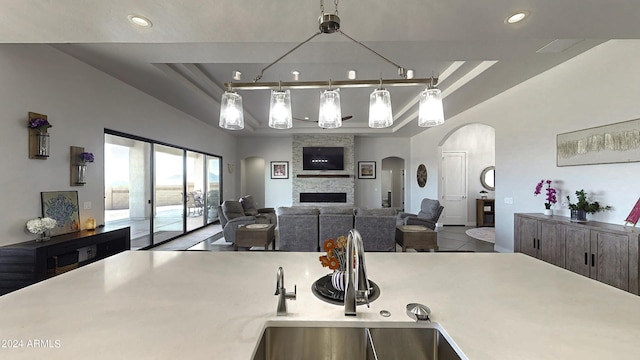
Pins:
x: 292, y: 296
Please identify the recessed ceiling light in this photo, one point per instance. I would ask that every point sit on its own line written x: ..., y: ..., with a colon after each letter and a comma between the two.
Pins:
x: 351, y: 75
x: 517, y: 17
x: 296, y: 75
x: 306, y: 118
x: 140, y: 20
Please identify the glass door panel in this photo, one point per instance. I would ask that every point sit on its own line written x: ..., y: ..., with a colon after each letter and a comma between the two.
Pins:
x: 213, y: 188
x: 169, y: 197
x: 195, y: 190
x: 127, y: 179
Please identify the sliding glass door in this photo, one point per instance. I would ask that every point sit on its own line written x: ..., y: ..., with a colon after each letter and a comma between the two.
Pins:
x: 151, y: 186
x: 213, y: 188
x: 195, y: 190
x: 127, y: 180
x: 168, y: 193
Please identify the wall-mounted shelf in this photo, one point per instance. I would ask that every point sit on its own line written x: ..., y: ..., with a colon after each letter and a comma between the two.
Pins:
x: 323, y: 176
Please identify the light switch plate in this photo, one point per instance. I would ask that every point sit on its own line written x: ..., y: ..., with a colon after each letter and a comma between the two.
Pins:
x: 508, y: 200
x: 87, y: 205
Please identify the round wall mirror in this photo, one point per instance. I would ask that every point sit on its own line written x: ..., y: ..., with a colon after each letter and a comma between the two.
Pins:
x: 488, y: 178
x: 422, y: 175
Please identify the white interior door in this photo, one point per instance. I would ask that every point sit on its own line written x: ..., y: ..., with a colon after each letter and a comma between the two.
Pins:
x: 454, y: 188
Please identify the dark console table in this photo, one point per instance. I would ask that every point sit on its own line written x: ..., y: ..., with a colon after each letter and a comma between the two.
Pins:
x: 25, y: 263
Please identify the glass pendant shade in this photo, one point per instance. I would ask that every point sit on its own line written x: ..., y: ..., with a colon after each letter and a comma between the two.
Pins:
x: 330, y: 116
x: 231, y: 112
x: 280, y: 110
x: 431, y: 112
x: 380, y: 114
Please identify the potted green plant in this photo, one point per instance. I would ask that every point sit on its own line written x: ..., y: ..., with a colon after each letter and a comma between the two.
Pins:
x: 583, y: 207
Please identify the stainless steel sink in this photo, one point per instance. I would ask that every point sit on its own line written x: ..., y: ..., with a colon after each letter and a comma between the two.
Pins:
x: 354, y: 343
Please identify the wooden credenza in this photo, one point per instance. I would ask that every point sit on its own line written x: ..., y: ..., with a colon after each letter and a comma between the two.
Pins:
x: 25, y: 263
x: 604, y: 252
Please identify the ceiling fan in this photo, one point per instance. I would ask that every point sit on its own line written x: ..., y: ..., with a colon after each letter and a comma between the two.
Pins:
x: 344, y: 118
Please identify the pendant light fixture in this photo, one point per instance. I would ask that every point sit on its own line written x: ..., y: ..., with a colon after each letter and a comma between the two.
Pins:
x: 280, y: 110
x: 380, y: 111
x: 231, y: 112
x: 431, y: 112
x: 330, y: 113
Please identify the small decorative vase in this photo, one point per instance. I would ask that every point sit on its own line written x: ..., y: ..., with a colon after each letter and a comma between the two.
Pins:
x: 338, y: 279
x: 44, y: 236
x: 548, y: 212
x: 578, y: 215
x: 43, y: 143
x: 82, y: 173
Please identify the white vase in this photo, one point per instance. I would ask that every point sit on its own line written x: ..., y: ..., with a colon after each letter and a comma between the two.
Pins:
x: 548, y: 212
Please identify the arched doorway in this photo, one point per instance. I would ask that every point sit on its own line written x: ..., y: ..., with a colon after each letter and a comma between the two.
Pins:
x: 466, y: 152
x: 392, y: 182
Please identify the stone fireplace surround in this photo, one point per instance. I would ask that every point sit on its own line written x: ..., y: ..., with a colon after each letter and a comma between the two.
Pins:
x: 317, y: 181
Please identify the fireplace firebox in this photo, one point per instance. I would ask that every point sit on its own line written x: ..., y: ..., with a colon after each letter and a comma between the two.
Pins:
x: 323, y: 197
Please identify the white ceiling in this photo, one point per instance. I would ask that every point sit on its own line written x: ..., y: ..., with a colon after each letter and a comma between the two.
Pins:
x: 193, y: 47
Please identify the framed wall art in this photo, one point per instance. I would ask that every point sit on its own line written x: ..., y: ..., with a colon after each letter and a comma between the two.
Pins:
x: 279, y: 169
x: 366, y: 169
x: 63, y: 207
x: 614, y: 143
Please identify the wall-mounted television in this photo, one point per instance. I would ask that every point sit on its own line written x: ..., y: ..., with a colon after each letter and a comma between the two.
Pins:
x: 323, y: 158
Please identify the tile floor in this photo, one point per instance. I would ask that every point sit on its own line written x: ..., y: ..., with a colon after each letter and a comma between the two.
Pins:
x: 450, y: 238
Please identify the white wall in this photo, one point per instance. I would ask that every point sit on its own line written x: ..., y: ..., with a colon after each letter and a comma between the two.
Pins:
x: 253, y: 169
x: 80, y: 102
x: 278, y: 191
x: 369, y: 191
x: 596, y: 88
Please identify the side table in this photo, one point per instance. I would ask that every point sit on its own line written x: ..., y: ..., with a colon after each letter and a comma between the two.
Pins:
x: 255, y: 235
x: 416, y: 237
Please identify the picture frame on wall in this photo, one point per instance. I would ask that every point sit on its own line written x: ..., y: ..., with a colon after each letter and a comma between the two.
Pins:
x: 61, y: 206
x: 279, y: 169
x: 608, y: 144
x: 366, y: 169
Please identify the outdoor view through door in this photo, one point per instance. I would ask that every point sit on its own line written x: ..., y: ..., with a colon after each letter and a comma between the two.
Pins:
x: 157, y: 186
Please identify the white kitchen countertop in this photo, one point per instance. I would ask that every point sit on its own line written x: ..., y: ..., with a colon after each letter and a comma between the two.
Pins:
x: 215, y: 305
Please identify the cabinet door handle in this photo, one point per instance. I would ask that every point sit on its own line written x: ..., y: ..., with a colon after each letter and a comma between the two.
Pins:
x: 586, y: 261
x: 534, y: 243
x: 593, y: 260
x: 538, y: 244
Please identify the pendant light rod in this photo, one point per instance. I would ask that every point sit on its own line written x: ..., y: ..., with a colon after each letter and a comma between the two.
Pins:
x: 333, y: 83
x: 401, y: 70
x: 283, y: 56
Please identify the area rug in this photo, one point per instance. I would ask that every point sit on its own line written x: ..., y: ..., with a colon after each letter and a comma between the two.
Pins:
x: 487, y: 234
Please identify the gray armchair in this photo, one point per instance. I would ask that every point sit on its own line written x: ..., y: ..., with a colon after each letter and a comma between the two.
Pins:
x: 335, y: 221
x: 430, y: 211
x: 232, y: 216
x: 297, y: 229
x: 262, y: 215
x: 377, y: 228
